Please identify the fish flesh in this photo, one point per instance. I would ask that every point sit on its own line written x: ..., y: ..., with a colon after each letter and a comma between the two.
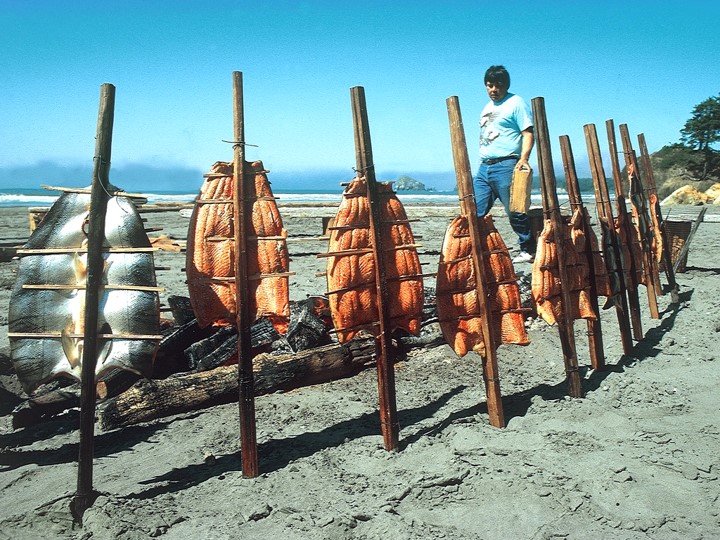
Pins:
x: 657, y: 243
x: 210, y: 258
x: 47, y: 305
x: 583, y: 237
x: 631, y: 254
x: 639, y: 206
x: 457, y: 298
x: 352, y: 295
x: 642, y: 224
x: 546, y: 282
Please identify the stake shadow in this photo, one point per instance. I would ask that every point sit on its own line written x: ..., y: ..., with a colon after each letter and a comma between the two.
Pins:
x: 700, y: 269
x: 276, y: 454
x: 8, y: 401
x: 105, y: 444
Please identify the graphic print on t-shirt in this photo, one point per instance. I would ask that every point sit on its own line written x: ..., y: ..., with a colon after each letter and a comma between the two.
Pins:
x: 487, y: 133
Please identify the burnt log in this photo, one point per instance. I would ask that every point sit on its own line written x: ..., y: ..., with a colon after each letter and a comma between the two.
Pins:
x: 151, y: 399
x: 36, y: 409
x: 61, y: 396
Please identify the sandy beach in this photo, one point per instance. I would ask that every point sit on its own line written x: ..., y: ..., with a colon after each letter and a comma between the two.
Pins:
x: 637, y: 457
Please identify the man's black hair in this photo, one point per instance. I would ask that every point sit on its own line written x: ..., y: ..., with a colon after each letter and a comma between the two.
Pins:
x: 497, y: 74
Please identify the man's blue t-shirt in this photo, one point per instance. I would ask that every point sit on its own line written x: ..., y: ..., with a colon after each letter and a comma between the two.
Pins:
x: 501, y: 127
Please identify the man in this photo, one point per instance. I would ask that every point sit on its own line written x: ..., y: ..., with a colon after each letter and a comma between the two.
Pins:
x: 506, y: 140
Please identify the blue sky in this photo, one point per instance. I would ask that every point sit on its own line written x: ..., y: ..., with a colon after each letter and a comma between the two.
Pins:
x: 646, y: 64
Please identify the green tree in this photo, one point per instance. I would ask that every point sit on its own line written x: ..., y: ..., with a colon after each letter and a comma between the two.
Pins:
x: 702, y: 131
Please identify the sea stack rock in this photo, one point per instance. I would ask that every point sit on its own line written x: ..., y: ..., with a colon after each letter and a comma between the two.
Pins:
x: 405, y: 183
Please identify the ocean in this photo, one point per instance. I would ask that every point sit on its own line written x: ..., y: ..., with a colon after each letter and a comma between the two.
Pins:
x: 45, y: 198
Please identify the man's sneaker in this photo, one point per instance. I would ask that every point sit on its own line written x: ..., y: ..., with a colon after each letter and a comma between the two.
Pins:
x: 523, y: 257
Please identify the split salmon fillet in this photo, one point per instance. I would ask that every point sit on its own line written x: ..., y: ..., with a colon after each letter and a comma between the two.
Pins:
x: 632, y: 250
x: 657, y: 243
x: 211, y: 246
x: 457, y: 300
x: 579, y: 223
x: 643, y: 225
x: 351, y: 265
x: 546, y: 283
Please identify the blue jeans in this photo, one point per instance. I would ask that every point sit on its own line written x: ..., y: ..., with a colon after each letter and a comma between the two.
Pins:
x: 493, y: 182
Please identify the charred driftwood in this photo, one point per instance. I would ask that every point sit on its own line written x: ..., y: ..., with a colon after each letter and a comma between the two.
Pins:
x: 151, y: 399
x: 36, y: 409
x: 60, y: 397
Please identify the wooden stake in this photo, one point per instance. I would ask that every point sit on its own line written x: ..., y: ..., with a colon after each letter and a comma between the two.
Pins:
x: 468, y: 208
x: 650, y: 265
x: 667, y: 251
x: 604, y: 210
x: 242, y: 214
x: 385, y: 354
x: 85, y: 495
x: 626, y: 229
x: 551, y: 207
x: 594, y: 328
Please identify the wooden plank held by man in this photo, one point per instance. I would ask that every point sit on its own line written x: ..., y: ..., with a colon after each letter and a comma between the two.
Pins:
x: 520, y: 190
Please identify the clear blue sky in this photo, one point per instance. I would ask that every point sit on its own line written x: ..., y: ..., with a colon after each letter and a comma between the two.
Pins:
x: 643, y: 63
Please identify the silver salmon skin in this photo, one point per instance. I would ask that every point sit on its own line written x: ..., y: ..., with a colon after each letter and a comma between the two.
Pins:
x: 47, y: 303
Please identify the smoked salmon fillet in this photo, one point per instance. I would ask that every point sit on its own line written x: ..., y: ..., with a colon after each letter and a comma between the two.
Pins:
x: 546, y: 283
x: 579, y: 223
x: 657, y: 243
x: 351, y: 265
x: 632, y: 250
x: 642, y: 225
x: 457, y: 300
x: 210, y: 252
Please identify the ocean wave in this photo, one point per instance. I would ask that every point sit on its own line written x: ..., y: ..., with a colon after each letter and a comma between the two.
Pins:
x: 42, y: 198
x: 17, y: 199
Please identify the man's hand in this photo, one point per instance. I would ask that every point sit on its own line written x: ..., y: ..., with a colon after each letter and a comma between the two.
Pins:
x: 522, y: 165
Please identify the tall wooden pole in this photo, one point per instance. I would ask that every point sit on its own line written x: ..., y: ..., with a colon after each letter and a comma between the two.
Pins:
x: 551, y: 205
x: 625, y: 227
x: 666, y: 251
x: 594, y: 327
x: 85, y: 496
x: 384, y: 351
x: 242, y: 208
x: 605, y: 215
x: 468, y: 207
x: 650, y: 264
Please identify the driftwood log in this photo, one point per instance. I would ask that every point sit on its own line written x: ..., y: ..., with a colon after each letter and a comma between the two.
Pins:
x: 151, y: 399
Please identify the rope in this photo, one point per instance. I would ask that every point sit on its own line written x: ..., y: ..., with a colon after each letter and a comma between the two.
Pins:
x: 237, y: 144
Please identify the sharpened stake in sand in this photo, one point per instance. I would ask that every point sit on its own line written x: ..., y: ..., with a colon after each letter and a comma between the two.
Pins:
x: 624, y: 230
x: 594, y: 327
x: 85, y: 496
x: 468, y: 209
x: 551, y: 208
x: 641, y: 222
x: 243, y: 212
x: 385, y: 353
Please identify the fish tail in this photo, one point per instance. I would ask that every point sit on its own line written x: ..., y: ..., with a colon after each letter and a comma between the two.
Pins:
x: 72, y: 347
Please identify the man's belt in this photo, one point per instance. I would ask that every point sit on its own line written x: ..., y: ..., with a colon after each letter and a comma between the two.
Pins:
x: 493, y: 161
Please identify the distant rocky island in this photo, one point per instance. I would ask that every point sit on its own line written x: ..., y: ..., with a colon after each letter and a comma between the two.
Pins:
x: 405, y: 183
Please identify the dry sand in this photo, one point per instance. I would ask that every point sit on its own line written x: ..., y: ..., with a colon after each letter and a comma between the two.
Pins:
x: 637, y: 457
